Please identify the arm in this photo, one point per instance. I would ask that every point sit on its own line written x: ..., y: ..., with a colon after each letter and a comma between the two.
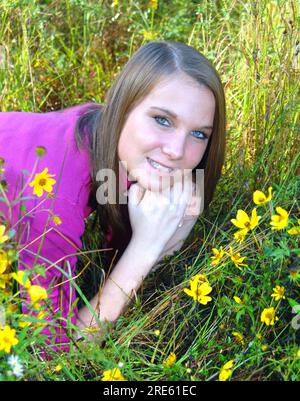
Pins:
x: 120, y: 287
x: 148, y: 217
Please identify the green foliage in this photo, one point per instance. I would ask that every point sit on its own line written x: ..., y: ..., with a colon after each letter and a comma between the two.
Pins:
x: 58, y: 54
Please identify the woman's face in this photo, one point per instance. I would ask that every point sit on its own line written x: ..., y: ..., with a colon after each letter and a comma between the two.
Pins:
x: 167, y: 131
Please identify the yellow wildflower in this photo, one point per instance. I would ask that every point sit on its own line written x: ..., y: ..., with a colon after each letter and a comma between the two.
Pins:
x: 226, y: 370
x: 153, y: 4
x: 259, y: 198
x: 20, y: 277
x: 199, y: 290
x: 238, y: 337
x: 42, y: 182
x: 37, y: 63
x: 12, y: 308
x: 298, y: 353
x: 200, y: 279
x: 243, y: 221
x: 3, y: 237
x: 37, y: 293
x: 264, y: 347
x: 294, y: 274
x: 278, y: 293
x: 7, y: 339
x: 236, y: 258
x: 157, y: 332
x: 41, y: 316
x: 91, y: 329
x: 56, y: 220
x: 149, y: 35
x: 4, y: 280
x: 295, y: 230
x: 23, y: 322
x: 58, y: 368
x: 240, y: 235
x: 237, y: 300
x: 4, y: 262
x: 268, y: 316
x: 280, y: 220
x: 170, y: 360
x: 112, y: 375
x: 217, y: 256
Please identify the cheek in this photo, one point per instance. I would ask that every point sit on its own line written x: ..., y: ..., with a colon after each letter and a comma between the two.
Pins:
x: 144, y: 139
x: 123, y: 147
x: 127, y: 140
x: 134, y: 141
x: 194, y: 155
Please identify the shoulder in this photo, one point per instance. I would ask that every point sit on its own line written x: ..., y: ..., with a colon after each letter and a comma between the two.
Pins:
x: 53, y: 130
x: 22, y: 132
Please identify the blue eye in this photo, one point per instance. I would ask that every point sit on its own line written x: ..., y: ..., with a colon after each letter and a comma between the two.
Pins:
x: 160, y: 120
x: 199, y: 135
x: 166, y: 123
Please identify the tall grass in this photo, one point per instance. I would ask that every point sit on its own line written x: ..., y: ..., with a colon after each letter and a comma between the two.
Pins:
x: 59, y: 54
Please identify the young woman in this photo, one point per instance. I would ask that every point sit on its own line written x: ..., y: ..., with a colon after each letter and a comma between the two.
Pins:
x: 164, y: 115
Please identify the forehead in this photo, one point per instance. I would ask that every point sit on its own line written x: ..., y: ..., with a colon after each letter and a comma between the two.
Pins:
x: 183, y: 96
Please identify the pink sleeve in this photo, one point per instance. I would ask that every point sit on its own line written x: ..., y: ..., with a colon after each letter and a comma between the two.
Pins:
x: 55, y: 249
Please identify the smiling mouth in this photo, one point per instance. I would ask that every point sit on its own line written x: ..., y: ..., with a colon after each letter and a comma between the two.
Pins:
x: 158, y: 166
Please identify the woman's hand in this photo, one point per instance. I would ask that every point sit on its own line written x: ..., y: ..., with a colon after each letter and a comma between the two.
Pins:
x: 155, y: 216
x: 184, y: 228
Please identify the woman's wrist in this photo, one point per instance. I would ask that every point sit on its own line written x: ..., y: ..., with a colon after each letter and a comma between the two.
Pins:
x: 121, y: 285
x: 145, y: 252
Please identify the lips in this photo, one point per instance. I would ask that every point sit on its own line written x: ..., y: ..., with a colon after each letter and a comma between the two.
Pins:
x: 159, y: 166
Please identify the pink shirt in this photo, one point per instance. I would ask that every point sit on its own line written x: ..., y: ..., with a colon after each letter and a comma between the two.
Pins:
x: 20, y: 134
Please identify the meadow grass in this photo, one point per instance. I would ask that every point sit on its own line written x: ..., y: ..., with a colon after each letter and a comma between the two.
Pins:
x: 58, y: 54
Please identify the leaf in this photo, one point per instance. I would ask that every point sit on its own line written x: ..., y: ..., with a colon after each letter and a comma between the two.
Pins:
x: 292, y: 302
x: 278, y: 253
x: 239, y: 314
x: 220, y: 312
x: 252, y: 317
x: 40, y: 269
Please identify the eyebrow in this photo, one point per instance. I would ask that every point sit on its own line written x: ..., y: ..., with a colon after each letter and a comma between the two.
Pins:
x: 174, y: 115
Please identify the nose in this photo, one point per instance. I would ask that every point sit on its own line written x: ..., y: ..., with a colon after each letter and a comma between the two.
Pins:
x: 174, y: 146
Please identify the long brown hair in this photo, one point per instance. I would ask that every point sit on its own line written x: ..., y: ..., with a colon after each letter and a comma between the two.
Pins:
x: 150, y: 64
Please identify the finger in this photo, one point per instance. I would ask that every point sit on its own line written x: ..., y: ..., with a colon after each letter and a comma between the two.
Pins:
x: 141, y: 193
x: 136, y: 194
x: 188, y: 189
x: 195, y: 205
x: 177, y: 188
x: 193, y: 209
